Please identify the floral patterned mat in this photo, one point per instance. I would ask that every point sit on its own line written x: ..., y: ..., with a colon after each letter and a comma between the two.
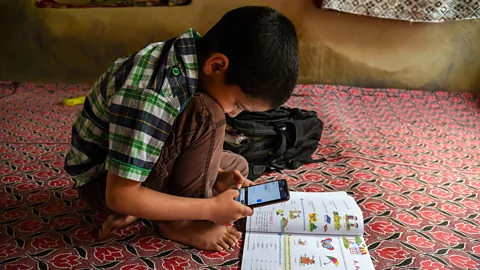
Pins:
x: 411, y: 159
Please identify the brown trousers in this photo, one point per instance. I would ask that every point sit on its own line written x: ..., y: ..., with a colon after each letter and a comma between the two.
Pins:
x: 190, y: 158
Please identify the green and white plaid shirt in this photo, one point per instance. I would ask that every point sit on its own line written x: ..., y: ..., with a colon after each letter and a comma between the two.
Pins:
x: 129, y: 112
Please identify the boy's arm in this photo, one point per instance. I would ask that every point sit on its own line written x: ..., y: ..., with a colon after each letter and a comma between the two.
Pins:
x: 131, y: 198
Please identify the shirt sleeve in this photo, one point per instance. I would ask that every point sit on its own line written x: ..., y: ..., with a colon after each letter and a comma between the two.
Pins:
x: 140, y: 121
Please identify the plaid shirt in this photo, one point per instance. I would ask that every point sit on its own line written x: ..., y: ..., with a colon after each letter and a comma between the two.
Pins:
x: 129, y: 112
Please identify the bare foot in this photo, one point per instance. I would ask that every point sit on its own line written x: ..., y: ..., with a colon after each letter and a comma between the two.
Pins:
x: 204, y: 235
x: 115, y: 222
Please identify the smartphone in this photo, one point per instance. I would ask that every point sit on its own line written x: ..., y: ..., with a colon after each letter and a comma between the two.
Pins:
x: 264, y: 194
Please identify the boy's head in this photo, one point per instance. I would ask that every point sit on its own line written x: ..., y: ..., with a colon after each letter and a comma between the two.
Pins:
x: 249, y: 60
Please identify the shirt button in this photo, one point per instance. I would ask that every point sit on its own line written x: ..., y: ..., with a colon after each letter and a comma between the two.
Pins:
x: 176, y: 71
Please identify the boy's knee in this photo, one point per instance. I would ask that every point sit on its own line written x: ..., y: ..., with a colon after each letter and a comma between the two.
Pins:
x: 231, y: 161
x: 242, y: 166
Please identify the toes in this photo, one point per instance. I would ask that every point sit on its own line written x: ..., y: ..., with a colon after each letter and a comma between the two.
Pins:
x: 218, y: 248
x: 104, y: 232
x: 234, y: 232
x: 101, y: 234
x: 114, y: 222
x: 106, y: 228
x: 231, y: 241
x: 224, y: 245
x: 233, y: 238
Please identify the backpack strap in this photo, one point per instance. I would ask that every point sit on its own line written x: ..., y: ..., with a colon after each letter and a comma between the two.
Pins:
x: 281, y: 128
x: 255, y: 171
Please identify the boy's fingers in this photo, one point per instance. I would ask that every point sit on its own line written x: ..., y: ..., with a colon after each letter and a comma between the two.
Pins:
x: 248, y: 183
x: 247, y: 211
x: 234, y: 193
x: 239, y: 178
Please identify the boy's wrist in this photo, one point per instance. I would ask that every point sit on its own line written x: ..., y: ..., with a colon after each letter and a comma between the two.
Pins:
x: 207, y: 209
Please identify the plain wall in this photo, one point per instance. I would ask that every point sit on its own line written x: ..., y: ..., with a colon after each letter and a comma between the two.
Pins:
x: 78, y: 45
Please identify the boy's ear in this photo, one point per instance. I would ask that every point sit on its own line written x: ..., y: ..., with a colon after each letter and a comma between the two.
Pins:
x: 216, y: 63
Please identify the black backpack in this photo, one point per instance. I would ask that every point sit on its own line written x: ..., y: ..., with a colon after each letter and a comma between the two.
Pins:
x: 284, y: 138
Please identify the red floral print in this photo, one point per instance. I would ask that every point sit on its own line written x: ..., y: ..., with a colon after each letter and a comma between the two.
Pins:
x: 107, y: 253
x: 14, y: 214
x: 11, y: 179
x: 408, y: 219
x: 441, y: 193
x: 446, y: 237
x: 392, y: 253
x: 421, y: 198
x: 419, y: 241
x: 59, y: 183
x: 150, y: 243
x: 432, y: 215
x: 134, y: 267
x: 411, y: 183
x: 375, y: 206
x: 467, y: 228
x: 475, y: 205
x: 44, y: 242
x: 7, y: 249
x: 84, y: 234
x: 383, y: 227
x: 399, y: 200
x: 30, y: 226
x: 431, y: 265
x: 362, y: 175
x: 339, y: 183
x: 65, y: 260
x: 462, y: 261
x: 174, y: 263
x: 214, y: 255
x: 453, y: 209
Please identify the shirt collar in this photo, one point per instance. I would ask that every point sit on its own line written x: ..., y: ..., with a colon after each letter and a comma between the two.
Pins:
x: 186, y: 50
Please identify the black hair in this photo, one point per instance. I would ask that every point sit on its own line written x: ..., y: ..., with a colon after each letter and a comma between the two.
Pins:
x: 262, y: 47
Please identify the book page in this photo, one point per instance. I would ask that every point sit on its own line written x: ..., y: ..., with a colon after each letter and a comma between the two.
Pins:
x: 333, y: 213
x: 265, y: 251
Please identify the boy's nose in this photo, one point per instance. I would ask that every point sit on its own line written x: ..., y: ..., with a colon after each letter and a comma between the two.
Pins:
x: 232, y: 114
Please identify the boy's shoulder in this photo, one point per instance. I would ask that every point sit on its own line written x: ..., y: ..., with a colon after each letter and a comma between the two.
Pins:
x: 158, y: 63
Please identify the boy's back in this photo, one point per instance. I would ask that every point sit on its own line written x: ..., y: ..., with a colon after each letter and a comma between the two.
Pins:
x: 130, y: 111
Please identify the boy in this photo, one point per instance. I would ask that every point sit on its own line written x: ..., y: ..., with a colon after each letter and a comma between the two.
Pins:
x: 148, y: 142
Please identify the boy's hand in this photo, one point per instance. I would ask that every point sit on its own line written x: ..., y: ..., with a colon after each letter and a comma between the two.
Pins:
x: 226, y: 179
x: 225, y: 210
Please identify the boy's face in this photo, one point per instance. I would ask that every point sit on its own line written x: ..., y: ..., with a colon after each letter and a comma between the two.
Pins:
x: 230, y: 97
x: 234, y: 101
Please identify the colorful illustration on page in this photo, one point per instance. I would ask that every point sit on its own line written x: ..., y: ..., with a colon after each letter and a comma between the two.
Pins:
x: 305, y: 260
x: 355, y: 245
x: 351, y: 222
x: 336, y: 221
x: 312, y: 219
x: 283, y: 224
x: 327, y: 243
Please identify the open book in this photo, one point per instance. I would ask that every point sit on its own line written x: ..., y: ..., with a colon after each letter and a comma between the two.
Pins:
x: 310, y: 231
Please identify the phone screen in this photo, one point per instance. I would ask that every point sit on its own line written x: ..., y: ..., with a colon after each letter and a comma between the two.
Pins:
x: 263, y: 193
